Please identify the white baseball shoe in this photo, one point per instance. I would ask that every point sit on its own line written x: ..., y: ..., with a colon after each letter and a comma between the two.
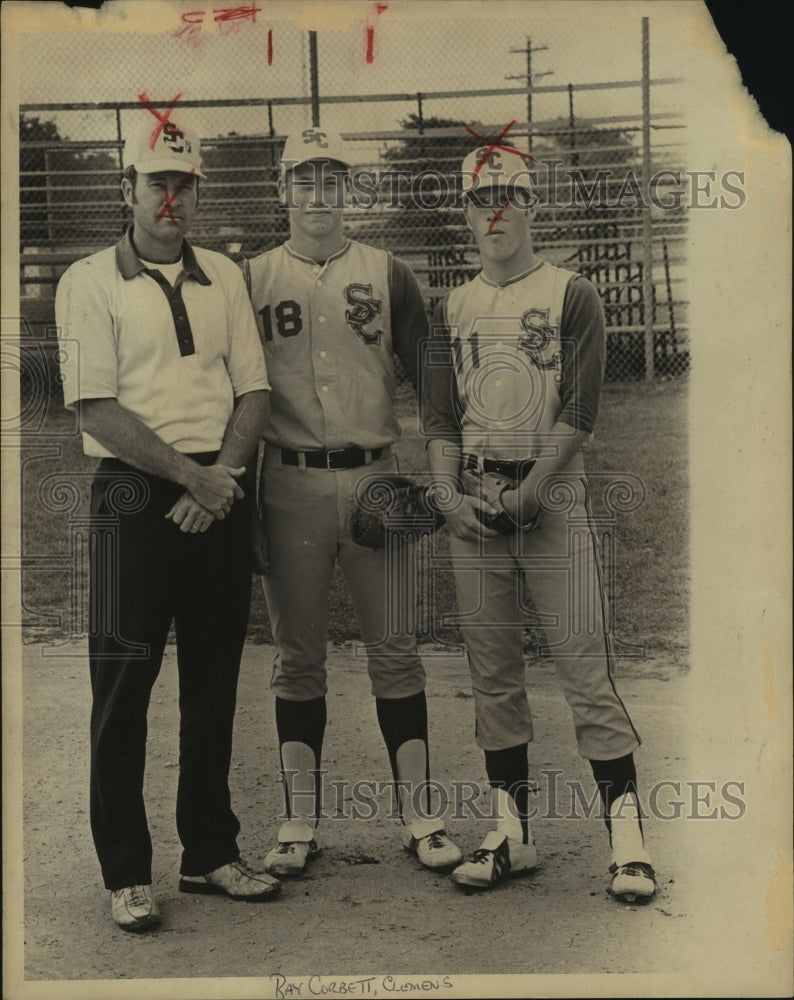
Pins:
x: 428, y: 840
x: 295, y: 849
x: 133, y: 908
x: 497, y: 858
x: 236, y: 880
x: 633, y: 881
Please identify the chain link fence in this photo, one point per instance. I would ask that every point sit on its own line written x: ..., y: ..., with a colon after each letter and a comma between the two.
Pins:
x: 611, y: 186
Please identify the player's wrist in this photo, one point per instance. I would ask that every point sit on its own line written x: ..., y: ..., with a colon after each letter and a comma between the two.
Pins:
x: 188, y: 473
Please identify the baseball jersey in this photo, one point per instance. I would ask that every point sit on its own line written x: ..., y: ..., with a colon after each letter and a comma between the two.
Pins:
x: 175, y: 356
x: 330, y: 331
x: 507, y: 361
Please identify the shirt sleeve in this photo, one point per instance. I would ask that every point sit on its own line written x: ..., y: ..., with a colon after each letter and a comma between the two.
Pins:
x: 86, y: 335
x: 583, y: 337
x: 246, y: 360
x: 408, y: 319
x: 439, y: 406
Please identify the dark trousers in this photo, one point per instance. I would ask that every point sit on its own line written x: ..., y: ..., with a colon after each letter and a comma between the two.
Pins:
x: 145, y: 575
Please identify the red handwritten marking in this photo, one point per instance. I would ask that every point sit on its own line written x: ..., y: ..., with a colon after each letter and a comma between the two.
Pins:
x: 193, y: 19
x: 162, y: 119
x: 482, y: 160
x: 270, y: 46
x: 237, y: 13
x: 169, y: 199
x: 498, y: 216
x: 225, y: 17
x: 379, y: 9
x: 228, y: 18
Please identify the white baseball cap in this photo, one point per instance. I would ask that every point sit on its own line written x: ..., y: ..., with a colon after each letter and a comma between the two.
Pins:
x: 500, y: 166
x: 313, y: 144
x: 155, y: 147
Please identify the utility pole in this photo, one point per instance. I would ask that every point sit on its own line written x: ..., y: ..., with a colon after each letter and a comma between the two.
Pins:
x: 530, y: 79
x: 315, y: 79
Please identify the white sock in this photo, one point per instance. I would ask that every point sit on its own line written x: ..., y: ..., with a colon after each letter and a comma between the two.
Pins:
x: 506, y: 813
x: 299, y: 763
x: 412, y: 780
x: 627, y: 840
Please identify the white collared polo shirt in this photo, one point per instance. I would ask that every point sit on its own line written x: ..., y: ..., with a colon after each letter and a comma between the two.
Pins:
x: 174, y: 356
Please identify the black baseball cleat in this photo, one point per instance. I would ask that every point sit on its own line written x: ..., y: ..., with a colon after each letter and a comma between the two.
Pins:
x: 633, y: 882
x: 497, y: 859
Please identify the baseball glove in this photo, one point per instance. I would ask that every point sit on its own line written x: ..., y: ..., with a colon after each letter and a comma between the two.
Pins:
x: 489, y: 486
x: 391, y: 505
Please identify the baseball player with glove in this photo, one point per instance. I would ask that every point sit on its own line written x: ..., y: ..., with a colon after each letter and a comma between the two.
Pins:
x: 332, y: 315
x: 512, y: 381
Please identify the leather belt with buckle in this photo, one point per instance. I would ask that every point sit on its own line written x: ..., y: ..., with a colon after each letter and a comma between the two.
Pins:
x: 336, y: 459
x: 516, y: 470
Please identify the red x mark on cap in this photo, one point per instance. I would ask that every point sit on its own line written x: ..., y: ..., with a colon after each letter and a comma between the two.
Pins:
x: 162, y: 119
x: 494, y: 145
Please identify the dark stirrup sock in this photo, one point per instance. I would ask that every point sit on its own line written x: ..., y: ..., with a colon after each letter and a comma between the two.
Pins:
x: 509, y: 770
x: 302, y: 722
x: 615, y: 778
x: 401, y: 720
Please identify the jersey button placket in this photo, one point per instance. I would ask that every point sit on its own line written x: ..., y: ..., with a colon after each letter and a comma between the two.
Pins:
x: 319, y: 370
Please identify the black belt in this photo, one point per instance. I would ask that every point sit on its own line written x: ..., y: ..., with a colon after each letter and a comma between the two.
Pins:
x: 336, y: 459
x: 516, y: 470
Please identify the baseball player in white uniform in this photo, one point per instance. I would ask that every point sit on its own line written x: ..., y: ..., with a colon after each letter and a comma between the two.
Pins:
x: 332, y: 315
x: 511, y: 387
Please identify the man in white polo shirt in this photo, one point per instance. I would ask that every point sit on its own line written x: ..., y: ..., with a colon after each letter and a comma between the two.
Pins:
x: 168, y: 379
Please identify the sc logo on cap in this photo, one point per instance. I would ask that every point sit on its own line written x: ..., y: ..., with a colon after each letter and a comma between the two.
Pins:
x: 493, y: 159
x: 315, y: 136
x: 174, y: 137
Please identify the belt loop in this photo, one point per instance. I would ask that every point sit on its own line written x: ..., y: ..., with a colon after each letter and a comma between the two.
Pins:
x: 301, y: 460
x: 367, y: 456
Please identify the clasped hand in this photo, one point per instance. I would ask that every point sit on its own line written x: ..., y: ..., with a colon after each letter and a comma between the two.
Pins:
x: 213, y: 490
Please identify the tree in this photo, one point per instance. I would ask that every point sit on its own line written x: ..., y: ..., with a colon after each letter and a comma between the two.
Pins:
x: 425, y: 145
x: 239, y: 199
x: 418, y: 188
x: 33, y: 177
x: 67, y: 195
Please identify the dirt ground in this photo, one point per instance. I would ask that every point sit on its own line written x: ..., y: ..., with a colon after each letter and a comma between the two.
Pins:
x: 366, y: 908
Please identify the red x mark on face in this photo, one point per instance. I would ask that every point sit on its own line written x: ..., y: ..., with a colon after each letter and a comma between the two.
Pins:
x: 162, y: 119
x: 494, y: 145
x: 498, y: 216
x: 169, y: 199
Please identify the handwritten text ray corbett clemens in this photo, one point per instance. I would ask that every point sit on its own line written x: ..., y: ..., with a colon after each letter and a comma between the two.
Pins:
x: 364, y: 986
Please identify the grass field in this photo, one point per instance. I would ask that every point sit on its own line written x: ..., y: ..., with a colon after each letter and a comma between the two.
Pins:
x: 642, y: 432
